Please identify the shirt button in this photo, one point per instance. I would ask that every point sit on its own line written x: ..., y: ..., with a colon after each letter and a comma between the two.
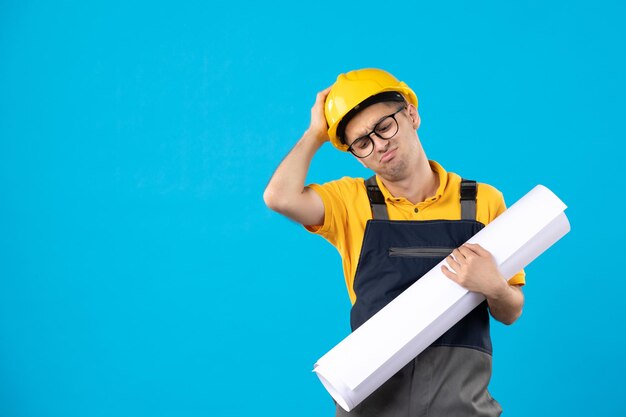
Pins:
x: 415, y: 209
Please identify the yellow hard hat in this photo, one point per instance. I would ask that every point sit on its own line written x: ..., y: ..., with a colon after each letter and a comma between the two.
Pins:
x: 354, y: 87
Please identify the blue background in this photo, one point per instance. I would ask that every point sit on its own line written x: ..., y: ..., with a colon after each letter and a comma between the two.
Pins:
x: 141, y: 273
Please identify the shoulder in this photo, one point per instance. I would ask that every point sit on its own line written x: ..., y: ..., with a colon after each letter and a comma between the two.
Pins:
x: 489, y: 192
x: 489, y: 202
x: 485, y: 192
x: 345, y: 205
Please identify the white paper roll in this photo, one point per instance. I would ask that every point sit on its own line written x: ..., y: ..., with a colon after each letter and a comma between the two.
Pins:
x: 369, y: 356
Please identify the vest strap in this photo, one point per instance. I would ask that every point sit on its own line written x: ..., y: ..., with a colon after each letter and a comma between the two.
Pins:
x: 469, y: 189
x: 468, y: 199
x: 377, y: 200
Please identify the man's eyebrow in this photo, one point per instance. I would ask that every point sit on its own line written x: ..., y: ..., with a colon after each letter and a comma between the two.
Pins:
x: 371, y: 126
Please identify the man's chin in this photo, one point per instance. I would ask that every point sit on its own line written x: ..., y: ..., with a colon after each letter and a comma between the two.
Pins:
x: 395, y: 171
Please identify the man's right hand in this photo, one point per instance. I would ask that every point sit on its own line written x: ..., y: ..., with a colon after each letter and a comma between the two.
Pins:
x: 318, y: 126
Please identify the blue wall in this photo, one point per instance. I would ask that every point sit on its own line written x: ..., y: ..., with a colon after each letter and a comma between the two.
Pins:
x: 142, y: 275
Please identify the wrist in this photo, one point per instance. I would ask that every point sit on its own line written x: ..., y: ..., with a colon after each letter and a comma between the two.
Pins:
x: 316, y: 135
x: 500, y: 290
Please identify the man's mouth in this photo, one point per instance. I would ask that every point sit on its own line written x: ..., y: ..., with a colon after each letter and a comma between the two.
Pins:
x: 388, y: 156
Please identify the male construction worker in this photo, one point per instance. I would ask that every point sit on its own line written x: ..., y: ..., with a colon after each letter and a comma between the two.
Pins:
x: 421, y: 214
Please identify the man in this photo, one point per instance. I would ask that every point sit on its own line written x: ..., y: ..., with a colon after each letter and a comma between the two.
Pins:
x: 421, y: 215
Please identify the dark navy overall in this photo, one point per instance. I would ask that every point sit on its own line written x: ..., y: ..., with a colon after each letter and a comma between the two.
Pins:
x: 450, y: 377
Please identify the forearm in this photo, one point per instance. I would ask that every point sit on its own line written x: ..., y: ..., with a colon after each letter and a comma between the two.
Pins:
x: 474, y: 268
x: 506, y: 304
x: 285, y: 189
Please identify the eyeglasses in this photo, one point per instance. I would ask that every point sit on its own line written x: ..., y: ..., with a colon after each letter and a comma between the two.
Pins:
x: 387, y: 128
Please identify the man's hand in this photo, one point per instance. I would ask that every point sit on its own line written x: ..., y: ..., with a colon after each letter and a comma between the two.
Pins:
x: 318, y: 126
x: 475, y: 269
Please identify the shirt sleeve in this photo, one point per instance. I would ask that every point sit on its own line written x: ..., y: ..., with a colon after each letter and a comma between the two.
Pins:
x: 335, y: 211
x: 496, y: 206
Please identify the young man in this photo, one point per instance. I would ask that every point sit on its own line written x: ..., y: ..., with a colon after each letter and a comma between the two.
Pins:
x: 421, y: 215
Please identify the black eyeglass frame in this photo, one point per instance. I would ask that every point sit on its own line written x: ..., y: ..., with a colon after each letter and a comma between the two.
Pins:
x: 369, y: 135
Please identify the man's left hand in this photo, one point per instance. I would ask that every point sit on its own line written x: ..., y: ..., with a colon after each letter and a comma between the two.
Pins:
x: 474, y: 268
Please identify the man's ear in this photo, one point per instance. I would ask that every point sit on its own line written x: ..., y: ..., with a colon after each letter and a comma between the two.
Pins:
x: 415, y: 116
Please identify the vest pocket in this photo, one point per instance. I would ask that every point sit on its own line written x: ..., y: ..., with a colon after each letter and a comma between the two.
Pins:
x: 420, y: 252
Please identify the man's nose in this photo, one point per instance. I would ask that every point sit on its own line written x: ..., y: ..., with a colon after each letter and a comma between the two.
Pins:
x: 380, y: 145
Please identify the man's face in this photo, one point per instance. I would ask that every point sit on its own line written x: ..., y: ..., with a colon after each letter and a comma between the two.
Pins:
x: 390, y: 158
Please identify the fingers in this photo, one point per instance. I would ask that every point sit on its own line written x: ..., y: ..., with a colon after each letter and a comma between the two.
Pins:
x: 318, y: 120
x: 321, y: 96
x: 454, y: 264
x: 461, y: 253
x: 477, y: 249
x: 464, y: 255
x: 320, y: 100
x: 469, y: 249
x: 447, y: 272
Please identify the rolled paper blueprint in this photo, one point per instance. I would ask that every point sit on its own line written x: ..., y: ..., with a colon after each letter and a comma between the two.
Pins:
x: 390, y: 339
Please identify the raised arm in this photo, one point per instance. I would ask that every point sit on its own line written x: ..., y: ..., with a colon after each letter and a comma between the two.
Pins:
x: 286, y: 192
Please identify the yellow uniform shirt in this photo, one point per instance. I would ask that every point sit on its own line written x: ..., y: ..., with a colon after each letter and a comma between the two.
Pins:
x: 347, y: 210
